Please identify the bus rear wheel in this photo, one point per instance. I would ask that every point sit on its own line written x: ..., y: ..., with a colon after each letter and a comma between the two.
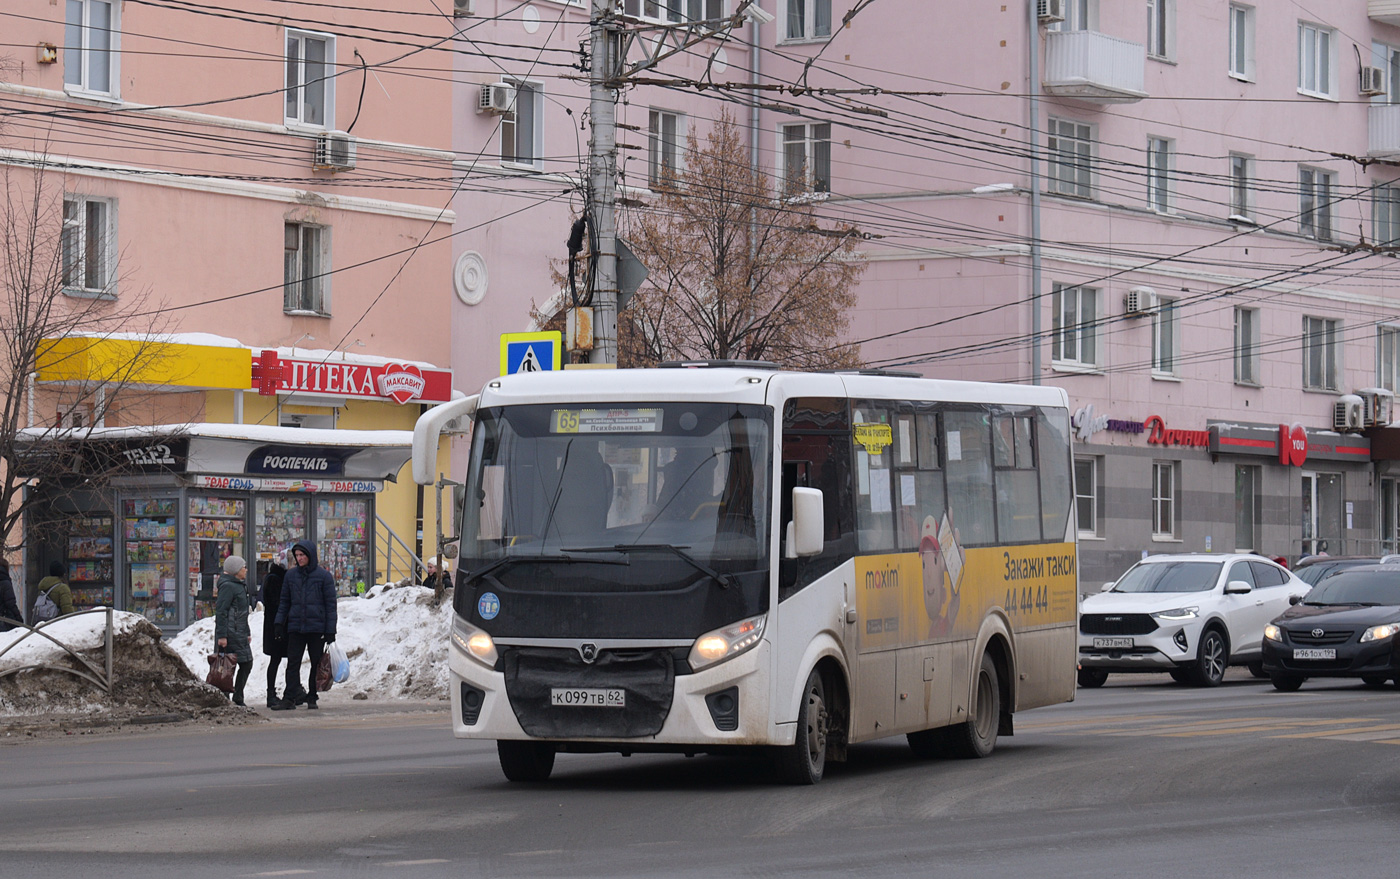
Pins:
x: 977, y: 736
x: 526, y: 761
x: 804, y: 761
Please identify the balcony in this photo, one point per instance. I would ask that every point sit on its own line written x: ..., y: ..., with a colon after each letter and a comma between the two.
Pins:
x: 1384, y: 11
x: 1384, y: 131
x: 1094, y: 67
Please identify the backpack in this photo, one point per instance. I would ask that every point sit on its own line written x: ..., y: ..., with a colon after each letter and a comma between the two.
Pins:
x: 44, y: 607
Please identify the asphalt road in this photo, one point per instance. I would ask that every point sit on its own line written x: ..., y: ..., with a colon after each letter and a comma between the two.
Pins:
x: 1141, y: 777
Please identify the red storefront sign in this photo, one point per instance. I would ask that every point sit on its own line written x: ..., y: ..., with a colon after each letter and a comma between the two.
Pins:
x: 1159, y: 434
x: 400, y: 382
x: 1292, y: 445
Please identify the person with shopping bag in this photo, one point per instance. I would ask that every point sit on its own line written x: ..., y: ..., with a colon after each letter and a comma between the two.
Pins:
x: 306, y: 618
x: 231, y: 632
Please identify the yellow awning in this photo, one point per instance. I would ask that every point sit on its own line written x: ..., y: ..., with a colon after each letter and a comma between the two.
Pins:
x: 145, y: 363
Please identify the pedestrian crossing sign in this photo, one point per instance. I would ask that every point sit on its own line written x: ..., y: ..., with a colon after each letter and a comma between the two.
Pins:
x: 531, y: 352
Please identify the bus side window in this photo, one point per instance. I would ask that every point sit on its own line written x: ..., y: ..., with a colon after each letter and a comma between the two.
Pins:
x: 967, y: 441
x: 1056, y: 489
x: 816, y: 459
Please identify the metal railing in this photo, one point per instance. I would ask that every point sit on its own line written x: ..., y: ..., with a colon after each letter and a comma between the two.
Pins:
x: 101, y: 677
x: 400, y: 559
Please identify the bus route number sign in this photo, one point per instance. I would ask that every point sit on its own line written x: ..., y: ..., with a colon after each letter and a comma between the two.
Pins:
x: 605, y: 421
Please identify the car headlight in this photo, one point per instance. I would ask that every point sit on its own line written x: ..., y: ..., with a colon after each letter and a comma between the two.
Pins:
x: 1176, y: 614
x: 1380, y: 633
x: 726, y: 643
x: 1272, y: 633
x: 473, y: 642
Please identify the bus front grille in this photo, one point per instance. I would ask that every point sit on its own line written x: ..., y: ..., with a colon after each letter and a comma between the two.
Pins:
x: 645, y: 677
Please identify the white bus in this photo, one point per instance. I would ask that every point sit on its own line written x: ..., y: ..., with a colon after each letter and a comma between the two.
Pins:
x: 728, y: 556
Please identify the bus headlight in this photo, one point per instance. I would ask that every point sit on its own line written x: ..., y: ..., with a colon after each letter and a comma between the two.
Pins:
x: 726, y: 643
x: 473, y: 642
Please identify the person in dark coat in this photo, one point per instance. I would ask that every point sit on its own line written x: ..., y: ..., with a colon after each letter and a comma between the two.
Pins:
x: 231, y: 632
x: 306, y: 618
x: 57, y: 590
x: 274, y: 648
x: 9, y: 608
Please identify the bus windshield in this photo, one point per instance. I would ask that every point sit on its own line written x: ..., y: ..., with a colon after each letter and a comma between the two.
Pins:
x: 604, y: 483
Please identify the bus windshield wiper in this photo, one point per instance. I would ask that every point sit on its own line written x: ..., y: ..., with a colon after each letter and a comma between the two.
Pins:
x: 724, y: 580
x: 491, y: 567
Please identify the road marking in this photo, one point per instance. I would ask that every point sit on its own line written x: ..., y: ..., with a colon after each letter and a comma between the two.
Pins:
x: 280, y: 873
x: 1317, y: 734
x: 414, y: 863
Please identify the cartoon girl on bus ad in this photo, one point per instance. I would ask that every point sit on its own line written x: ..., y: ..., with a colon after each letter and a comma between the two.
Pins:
x: 942, y: 559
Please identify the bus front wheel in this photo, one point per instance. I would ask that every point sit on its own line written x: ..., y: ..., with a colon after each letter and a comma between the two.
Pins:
x: 804, y: 760
x: 977, y: 736
x: 526, y: 761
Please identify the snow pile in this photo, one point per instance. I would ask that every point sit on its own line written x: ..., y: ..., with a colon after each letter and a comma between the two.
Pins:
x: 396, y: 640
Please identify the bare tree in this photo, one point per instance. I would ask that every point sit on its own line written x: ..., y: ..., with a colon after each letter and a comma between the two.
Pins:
x: 54, y: 321
x: 737, y: 272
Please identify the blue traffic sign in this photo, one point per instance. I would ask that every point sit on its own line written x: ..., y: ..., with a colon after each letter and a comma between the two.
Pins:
x: 531, y: 352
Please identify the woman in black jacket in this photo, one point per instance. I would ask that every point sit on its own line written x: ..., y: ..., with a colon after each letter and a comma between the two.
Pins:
x: 9, y: 608
x: 274, y: 648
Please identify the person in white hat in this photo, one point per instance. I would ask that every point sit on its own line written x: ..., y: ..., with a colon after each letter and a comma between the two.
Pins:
x: 437, y: 568
x: 231, y: 633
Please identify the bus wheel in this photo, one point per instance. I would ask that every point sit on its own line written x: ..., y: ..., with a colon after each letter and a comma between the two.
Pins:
x: 977, y: 736
x: 526, y: 761
x: 804, y: 760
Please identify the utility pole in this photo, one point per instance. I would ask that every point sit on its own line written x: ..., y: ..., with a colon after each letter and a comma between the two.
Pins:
x: 609, y: 45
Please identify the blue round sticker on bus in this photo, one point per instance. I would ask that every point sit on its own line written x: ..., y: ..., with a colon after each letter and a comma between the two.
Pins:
x: 488, y: 605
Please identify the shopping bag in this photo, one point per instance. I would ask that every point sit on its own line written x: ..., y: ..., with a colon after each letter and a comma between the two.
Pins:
x: 340, y: 664
x: 221, y: 669
x: 323, y: 673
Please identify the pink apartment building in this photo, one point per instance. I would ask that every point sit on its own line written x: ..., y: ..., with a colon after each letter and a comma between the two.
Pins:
x: 274, y: 181
x: 1180, y: 213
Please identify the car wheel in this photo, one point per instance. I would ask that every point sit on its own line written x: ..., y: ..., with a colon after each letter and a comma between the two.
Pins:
x: 1375, y: 680
x: 1286, y: 683
x: 804, y: 760
x: 1211, y: 659
x: 526, y: 761
x: 1181, y: 675
x: 1257, y: 669
x: 1092, y: 677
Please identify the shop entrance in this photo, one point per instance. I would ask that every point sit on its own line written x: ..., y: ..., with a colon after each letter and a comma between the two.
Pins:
x: 1322, y: 513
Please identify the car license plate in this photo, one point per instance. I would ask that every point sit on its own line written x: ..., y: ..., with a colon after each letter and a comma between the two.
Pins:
x: 1112, y: 643
x: 581, y: 698
x: 1315, y: 653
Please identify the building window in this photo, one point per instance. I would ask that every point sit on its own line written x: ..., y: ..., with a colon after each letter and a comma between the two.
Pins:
x: 1161, y: 28
x: 1241, y: 188
x: 310, y: 79
x: 664, y: 133
x: 1074, y: 332
x: 1241, y: 41
x: 671, y: 11
x: 306, y: 267
x: 1385, y: 214
x: 1164, y: 498
x: 1388, y: 357
x: 1388, y: 59
x: 522, y: 129
x: 90, y: 46
x: 1314, y: 60
x: 1247, y: 483
x: 1247, y: 346
x: 1070, y: 158
x: 1322, y: 340
x: 1159, y: 168
x: 1086, y: 496
x: 808, y: 20
x: 807, y: 157
x: 1164, y: 337
x: 1080, y: 15
x: 1315, y: 203
x: 89, y: 245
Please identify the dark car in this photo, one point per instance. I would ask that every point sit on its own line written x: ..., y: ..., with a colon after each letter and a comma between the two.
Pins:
x: 1346, y: 627
x: 1312, y: 569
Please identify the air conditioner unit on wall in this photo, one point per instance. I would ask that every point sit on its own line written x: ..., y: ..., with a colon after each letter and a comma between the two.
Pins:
x: 335, y: 151
x: 497, y: 98
x: 1372, y: 82
x: 1050, y: 11
x: 1377, y: 404
x: 1140, y: 301
x: 463, y: 8
x: 1349, y: 414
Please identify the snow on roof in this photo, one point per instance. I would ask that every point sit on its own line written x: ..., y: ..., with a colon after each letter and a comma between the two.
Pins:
x: 212, y: 340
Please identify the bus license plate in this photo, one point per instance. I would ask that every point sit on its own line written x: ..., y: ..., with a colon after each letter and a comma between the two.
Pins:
x: 1315, y: 653
x: 579, y: 698
x: 1112, y: 643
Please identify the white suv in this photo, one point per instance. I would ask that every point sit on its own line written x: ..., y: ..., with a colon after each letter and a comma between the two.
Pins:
x: 1190, y: 614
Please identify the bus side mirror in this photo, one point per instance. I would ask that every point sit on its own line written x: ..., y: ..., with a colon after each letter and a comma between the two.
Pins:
x: 808, y: 522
